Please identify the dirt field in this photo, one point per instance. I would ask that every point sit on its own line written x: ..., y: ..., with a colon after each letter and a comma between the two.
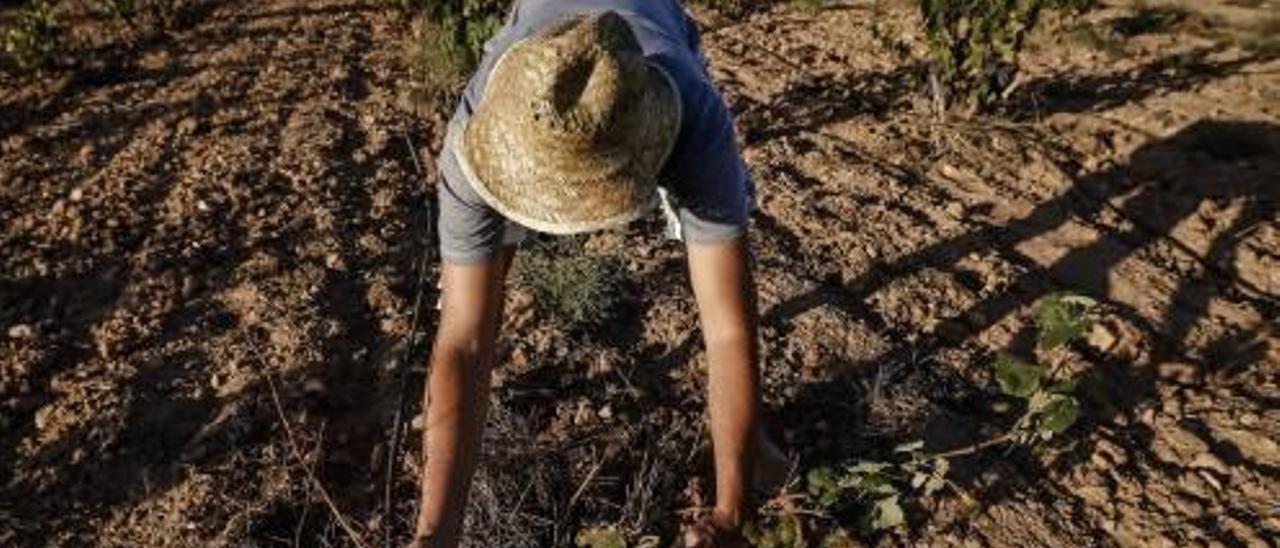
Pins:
x: 209, y: 263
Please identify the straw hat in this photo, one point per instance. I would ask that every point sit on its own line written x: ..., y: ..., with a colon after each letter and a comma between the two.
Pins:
x: 573, y: 128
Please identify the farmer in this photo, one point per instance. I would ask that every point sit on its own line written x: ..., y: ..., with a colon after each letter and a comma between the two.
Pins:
x: 585, y: 115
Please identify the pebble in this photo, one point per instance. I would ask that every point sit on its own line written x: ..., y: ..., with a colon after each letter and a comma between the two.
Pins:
x: 1178, y: 372
x: 313, y: 386
x: 21, y: 331
x: 1248, y: 419
x: 605, y: 412
x: 1102, y: 338
x: 188, y: 125
x: 76, y: 195
x: 42, y: 417
x: 1210, y: 461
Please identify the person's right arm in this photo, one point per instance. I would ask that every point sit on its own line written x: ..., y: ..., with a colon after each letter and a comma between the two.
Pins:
x: 457, y: 391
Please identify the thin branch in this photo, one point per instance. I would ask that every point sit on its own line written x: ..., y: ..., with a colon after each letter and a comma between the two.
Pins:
x: 315, y: 482
x: 970, y: 449
x: 583, y: 486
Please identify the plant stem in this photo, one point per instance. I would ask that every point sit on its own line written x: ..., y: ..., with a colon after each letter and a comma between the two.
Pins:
x: 970, y: 449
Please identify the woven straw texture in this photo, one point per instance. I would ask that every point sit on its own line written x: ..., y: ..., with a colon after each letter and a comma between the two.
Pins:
x: 573, y: 128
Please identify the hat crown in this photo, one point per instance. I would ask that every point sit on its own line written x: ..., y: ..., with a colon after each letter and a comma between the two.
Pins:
x: 593, y: 73
x: 573, y: 128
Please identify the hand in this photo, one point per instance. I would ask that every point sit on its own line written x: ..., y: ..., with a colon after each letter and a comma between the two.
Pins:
x: 421, y: 540
x: 712, y: 531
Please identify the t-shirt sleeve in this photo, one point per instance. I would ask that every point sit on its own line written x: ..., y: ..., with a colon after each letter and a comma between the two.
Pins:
x: 470, y: 231
x: 705, y: 175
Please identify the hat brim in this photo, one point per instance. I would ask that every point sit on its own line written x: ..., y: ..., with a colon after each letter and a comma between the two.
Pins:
x: 536, y: 188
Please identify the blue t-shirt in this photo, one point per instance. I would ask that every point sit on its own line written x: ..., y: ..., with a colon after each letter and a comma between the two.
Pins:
x: 705, y: 180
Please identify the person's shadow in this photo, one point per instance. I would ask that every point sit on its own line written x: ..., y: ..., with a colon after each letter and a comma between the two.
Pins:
x: 1190, y: 209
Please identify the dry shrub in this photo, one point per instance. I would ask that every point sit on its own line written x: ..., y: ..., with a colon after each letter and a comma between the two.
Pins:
x: 571, y: 287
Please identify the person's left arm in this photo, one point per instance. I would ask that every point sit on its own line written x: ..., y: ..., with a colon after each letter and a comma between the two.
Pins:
x: 721, y: 279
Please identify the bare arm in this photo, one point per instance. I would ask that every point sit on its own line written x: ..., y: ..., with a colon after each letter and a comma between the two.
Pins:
x: 722, y: 284
x: 457, y: 391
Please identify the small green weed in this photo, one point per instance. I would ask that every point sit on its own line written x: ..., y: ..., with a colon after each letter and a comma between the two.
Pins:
x: 612, y: 537
x: 601, y: 537
x: 447, y: 42
x: 574, y: 288
x: 435, y: 72
x: 35, y: 37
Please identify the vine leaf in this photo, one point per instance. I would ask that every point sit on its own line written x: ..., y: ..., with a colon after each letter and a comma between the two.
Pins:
x: 1058, y: 414
x: 1062, y: 318
x: 1016, y: 377
x: 886, y: 514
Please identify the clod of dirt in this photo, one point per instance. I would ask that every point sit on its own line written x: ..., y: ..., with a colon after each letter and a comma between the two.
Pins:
x: 21, y: 331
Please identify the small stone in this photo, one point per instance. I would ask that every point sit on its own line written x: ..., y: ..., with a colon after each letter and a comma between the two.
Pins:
x: 314, y: 386
x: 1211, y: 480
x: 21, y: 331
x: 188, y: 125
x: 42, y: 417
x: 1148, y: 416
x: 87, y: 153
x: 1248, y: 419
x: 955, y: 209
x: 605, y: 412
x: 334, y: 262
x: 1102, y: 338
x: 202, y: 206
x: 76, y: 195
x: 1210, y: 461
x: 1178, y: 372
x: 582, y: 414
x: 419, y: 421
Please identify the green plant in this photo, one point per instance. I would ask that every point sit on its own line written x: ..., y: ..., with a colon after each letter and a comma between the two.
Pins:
x: 436, y: 74
x: 974, y: 47
x: 610, y: 536
x: 878, y: 489
x: 574, y: 287
x: 465, y: 25
x: 1051, y: 406
x: 447, y: 42
x: 601, y: 537
x: 35, y: 37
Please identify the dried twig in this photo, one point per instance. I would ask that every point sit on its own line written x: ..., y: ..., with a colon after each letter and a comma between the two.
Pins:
x: 970, y: 449
x: 397, y: 424
x: 585, y: 482
x: 315, y: 482
x: 306, y: 510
